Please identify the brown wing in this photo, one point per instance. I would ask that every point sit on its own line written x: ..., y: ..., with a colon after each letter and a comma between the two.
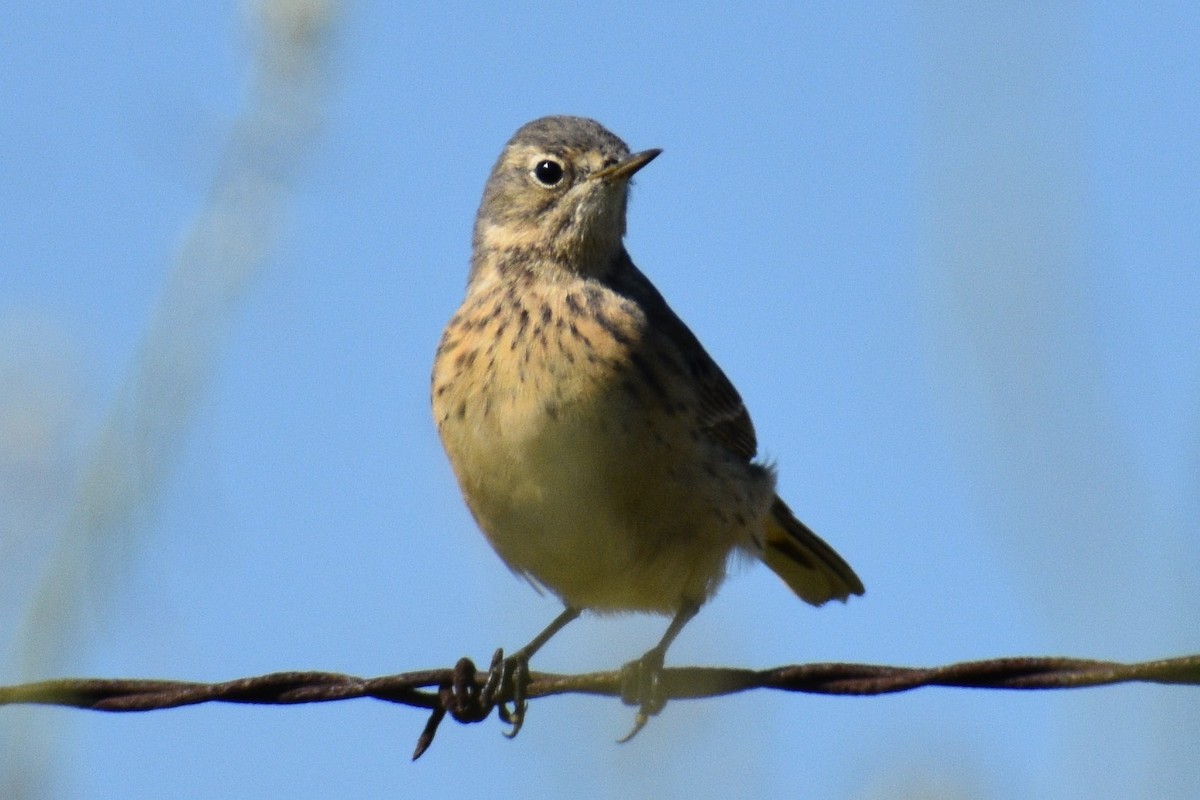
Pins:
x: 808, y: 565
x: 722, y: 413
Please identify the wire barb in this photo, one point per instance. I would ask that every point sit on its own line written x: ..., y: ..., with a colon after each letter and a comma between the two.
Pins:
x: 464, y: 693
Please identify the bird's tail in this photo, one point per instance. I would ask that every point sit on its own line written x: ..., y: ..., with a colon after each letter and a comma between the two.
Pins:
x: 809, y: 566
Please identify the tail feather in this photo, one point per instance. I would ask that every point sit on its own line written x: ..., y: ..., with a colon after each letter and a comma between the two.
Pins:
x: 805, y: 562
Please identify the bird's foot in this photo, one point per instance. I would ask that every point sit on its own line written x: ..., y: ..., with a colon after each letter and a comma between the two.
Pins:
x: 642, y: 686
x: 507, y: 682
x: 467, y: 701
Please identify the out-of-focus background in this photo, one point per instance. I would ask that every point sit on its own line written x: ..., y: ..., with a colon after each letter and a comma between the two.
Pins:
x: 949, y: 253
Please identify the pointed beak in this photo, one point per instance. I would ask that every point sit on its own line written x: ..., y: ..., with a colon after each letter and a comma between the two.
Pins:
x: 624, y: 169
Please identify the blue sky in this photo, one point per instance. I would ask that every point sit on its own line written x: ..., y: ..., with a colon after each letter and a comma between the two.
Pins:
x: 947, y: 252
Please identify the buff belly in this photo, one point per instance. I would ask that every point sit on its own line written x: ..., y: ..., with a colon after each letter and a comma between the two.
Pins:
x: 602, y: 507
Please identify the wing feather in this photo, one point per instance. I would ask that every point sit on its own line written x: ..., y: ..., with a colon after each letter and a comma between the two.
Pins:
x: 722, y: 414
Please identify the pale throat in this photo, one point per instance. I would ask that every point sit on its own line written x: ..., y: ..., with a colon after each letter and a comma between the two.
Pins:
x: 587, y: 250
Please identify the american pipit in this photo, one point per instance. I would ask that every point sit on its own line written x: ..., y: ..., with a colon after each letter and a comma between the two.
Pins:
x: 604, y: 454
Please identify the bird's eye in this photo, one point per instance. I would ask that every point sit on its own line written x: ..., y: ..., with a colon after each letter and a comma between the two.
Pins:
x: 548, y: 172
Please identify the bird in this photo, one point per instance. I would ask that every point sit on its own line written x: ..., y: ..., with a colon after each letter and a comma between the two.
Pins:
x: 600, y: 449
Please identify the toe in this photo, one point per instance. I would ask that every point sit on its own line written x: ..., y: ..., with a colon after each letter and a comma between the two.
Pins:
x: 642, y: 686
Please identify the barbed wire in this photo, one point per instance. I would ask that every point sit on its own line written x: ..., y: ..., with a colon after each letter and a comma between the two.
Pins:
x: 464, y: 693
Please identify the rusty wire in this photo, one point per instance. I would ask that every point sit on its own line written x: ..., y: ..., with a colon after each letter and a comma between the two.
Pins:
x: 459, y: 691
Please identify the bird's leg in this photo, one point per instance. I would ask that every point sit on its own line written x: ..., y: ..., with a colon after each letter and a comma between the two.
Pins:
x: 641, y: 680
x: 509, y: 677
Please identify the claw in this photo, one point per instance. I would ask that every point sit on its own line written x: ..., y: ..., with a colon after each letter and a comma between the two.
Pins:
x: 508, y: 678
x: 641, y: 685
x: 641, y: 680
x: 494, y: 677
x: 519, y: 665
x: 639, y: 722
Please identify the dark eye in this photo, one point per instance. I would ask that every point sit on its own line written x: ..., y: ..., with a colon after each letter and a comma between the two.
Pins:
x: 548, y: 172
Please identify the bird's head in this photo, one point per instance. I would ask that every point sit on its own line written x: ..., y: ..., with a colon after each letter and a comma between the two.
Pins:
x: 560, y: 187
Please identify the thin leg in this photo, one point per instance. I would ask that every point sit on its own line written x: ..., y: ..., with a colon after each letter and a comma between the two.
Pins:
x: 567, y: 616
x: 684, y: 616
x: 642, y: 679
x: 511, y: 675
